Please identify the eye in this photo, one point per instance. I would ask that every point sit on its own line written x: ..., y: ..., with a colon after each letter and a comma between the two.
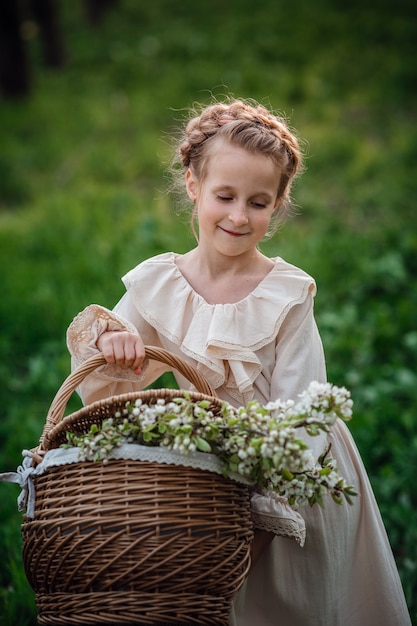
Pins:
x: 259, y: 205
x: 224, y: 198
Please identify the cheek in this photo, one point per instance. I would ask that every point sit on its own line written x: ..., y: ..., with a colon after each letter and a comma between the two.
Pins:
x: 207, y: 209
x: 264, y: 221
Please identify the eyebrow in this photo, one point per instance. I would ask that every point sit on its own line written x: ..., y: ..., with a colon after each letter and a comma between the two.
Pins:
x: 225, y: 187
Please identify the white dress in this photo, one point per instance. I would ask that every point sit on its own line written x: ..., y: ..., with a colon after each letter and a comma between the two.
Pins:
x: 265, y: 346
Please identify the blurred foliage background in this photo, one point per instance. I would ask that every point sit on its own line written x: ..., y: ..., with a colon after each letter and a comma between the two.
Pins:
x: 83, y: 199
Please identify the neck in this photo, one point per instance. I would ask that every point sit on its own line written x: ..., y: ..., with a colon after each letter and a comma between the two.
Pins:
x: 221, y: 280
x: 217, y: 265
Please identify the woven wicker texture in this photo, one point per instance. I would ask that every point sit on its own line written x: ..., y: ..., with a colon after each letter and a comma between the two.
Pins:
x: 108, y: 607
x: 133, y: 542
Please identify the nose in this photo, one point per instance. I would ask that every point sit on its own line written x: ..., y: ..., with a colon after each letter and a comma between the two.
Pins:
x: 238, y: 215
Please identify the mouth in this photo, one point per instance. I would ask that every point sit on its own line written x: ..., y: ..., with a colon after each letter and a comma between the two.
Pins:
x: 232, y: 233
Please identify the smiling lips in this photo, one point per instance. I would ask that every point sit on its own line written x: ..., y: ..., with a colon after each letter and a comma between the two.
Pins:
x: 232, y: 232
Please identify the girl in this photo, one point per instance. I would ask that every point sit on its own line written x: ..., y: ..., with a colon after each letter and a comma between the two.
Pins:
x: 246, y: 323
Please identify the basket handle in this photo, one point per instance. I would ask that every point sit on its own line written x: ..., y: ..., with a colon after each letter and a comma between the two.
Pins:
x: 57, y: 408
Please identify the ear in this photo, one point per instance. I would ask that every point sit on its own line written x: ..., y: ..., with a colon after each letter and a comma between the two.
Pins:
x: 191, y: 185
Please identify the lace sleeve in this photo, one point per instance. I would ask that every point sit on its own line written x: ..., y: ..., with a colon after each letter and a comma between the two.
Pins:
x: 87, y: 327
x: 272, y: 512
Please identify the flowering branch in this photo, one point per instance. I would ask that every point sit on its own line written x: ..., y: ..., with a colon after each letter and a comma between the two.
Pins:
x: 258, y: 442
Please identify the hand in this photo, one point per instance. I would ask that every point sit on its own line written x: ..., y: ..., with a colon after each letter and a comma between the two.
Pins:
x: 123, y: 348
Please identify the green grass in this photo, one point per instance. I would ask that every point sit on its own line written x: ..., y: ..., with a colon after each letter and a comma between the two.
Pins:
x: 82, y: 200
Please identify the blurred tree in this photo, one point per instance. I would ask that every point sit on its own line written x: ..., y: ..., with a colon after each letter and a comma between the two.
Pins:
x: 14, y: 69
x: 96, y: 10
x: 14, y: 66
x: 43, y: 15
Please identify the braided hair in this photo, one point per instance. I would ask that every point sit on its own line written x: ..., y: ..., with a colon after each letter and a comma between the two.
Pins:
x: 248, y: 125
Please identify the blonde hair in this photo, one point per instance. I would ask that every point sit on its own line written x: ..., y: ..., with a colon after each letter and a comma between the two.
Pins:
x: 246, y: 124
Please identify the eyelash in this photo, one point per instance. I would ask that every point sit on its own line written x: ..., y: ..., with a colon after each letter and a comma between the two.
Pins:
x: 258, y: 205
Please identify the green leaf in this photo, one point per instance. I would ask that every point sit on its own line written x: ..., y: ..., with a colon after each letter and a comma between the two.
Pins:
x: 202, y: 444
x: 325, y: 471
x: 286, y: 474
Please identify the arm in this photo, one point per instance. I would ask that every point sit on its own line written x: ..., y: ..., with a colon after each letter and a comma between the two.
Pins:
x: 299, y: 360
x: 299, y: 356
x: 97, y: 329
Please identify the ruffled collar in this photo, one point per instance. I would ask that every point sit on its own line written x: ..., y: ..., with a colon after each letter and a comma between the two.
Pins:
x: 223, y: 339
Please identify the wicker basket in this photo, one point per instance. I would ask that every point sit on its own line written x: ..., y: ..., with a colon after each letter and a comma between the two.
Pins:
x: 133, y: 542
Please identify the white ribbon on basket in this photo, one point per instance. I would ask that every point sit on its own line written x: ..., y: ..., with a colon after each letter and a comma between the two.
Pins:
x: 23, y: 477
x: 63, y: 456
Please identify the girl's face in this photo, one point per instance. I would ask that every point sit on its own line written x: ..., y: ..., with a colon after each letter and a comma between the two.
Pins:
x: 235, y: 199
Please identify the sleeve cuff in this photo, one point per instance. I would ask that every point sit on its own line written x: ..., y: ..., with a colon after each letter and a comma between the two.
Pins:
x: 271, y: 512
x: 84, y: 331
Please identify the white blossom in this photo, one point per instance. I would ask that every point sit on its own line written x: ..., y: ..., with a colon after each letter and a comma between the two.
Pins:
x: 259, y: 442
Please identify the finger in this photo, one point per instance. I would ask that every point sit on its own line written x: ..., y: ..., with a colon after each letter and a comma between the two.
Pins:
x: 138, y: 361
x: 118, y: 347
x: 130, y: 357
x: 105, y: 344
x: 108, y: 352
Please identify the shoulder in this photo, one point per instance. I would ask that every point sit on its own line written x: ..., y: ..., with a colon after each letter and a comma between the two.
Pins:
x: 150, y: 268
x: 282, y: 266
x: 291, y: 281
